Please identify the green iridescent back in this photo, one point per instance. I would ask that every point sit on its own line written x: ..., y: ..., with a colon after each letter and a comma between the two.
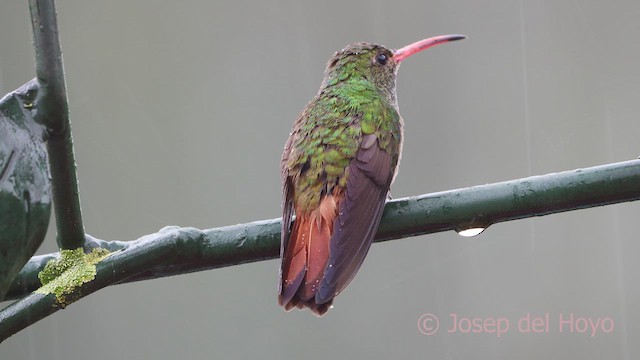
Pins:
x: 357, y: 98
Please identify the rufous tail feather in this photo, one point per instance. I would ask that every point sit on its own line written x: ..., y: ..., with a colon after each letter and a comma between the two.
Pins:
x: 307, y: 255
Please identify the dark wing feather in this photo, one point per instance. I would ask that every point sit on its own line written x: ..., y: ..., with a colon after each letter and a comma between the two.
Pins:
x: 285, y: 235
x: 370, y: 174
x: 287, y: 206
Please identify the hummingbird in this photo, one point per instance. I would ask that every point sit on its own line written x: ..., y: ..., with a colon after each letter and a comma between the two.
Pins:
x: 337, y: 167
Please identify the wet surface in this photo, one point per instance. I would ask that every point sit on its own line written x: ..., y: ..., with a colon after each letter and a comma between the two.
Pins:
x: 25, y: 187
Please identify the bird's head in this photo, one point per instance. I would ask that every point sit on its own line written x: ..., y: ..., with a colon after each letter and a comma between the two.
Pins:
x: 375, y: 63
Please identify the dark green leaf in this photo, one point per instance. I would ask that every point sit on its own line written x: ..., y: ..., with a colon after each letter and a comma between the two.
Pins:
x: 25, y: 187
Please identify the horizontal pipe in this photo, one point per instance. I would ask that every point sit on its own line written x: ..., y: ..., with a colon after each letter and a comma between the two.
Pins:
x: 473, y: 207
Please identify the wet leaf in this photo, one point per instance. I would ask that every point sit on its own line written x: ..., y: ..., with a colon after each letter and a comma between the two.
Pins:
x: 25, y: 186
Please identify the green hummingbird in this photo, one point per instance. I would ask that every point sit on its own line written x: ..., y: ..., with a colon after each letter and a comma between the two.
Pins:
x: 338, y: 164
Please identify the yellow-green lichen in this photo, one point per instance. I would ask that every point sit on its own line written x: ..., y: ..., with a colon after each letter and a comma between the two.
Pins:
x: 73, y: 268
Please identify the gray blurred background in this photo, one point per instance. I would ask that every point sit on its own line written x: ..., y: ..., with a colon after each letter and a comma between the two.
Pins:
x: 180, y: 111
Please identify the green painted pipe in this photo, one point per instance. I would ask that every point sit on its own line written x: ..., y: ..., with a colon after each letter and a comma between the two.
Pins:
x: 474, y: 207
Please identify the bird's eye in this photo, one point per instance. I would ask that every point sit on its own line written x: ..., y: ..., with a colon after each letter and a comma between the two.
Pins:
x: 382, y: 59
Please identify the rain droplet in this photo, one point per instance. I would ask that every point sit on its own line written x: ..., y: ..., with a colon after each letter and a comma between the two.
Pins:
x: 471, y: 232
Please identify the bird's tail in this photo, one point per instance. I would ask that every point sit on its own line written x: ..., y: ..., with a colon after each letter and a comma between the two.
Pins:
x: 306, y: 257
